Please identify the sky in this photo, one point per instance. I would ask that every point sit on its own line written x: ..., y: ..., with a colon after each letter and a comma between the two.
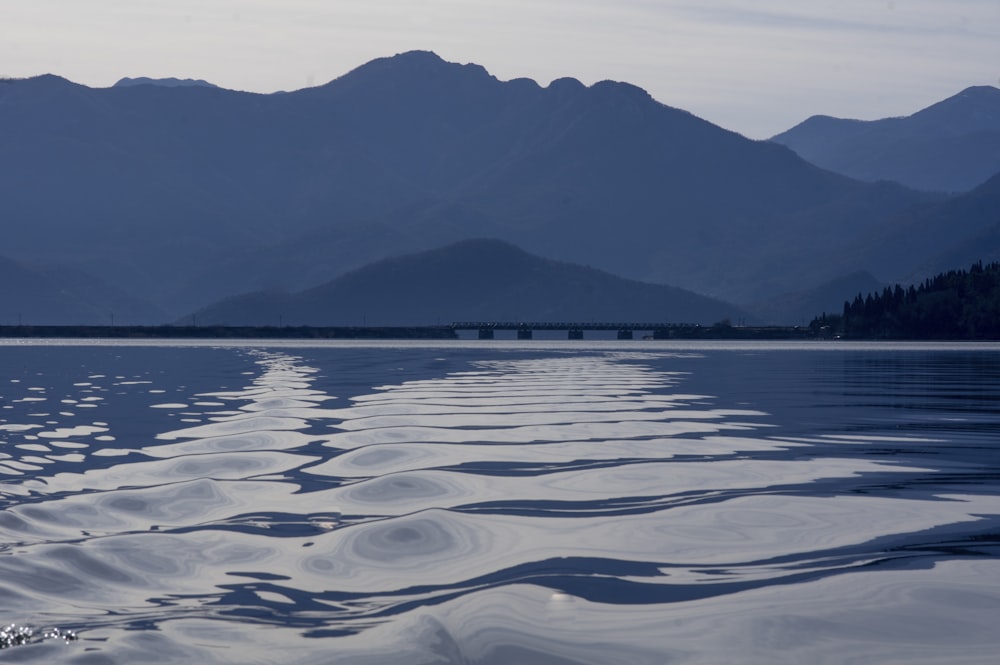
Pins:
x: 757, y: 67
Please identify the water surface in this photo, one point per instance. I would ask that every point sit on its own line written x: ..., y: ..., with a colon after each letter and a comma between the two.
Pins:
x: 495, y: 503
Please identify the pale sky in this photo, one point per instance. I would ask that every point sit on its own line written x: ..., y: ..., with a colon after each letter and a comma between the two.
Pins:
x: 754, y: 66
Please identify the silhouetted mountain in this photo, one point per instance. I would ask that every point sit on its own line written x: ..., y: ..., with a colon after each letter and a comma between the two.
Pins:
x: 953, y: 145
x: 472, y: 280
x: 188, y: 194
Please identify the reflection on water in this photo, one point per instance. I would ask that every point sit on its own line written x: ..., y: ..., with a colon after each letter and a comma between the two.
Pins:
x: 500, y: 504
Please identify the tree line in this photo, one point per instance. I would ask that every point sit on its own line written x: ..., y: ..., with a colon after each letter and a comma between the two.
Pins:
x: 959, y: 304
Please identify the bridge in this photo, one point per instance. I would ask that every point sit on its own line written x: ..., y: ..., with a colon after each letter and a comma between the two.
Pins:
x: 525, y: 329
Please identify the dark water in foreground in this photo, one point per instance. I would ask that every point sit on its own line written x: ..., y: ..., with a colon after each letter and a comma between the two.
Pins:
x: 495, y: 504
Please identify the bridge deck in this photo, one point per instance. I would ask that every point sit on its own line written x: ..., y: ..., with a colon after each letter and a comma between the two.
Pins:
x: 550, y: 325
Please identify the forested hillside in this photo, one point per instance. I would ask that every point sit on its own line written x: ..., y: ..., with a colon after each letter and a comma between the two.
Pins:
x: 959, y: 304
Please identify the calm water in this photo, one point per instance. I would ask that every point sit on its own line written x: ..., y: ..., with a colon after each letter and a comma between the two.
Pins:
x: 501, y: 503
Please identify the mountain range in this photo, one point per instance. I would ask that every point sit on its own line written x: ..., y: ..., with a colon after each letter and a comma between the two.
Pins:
x: 183, y: 195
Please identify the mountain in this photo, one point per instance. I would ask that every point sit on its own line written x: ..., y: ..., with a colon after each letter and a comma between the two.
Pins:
x: 935, y: 238
x: 800, y: 307
x: 184, y: 195
x: 951, y: 146
x: 472, y: 280
x: 31, y: 296
x: 170, y: 82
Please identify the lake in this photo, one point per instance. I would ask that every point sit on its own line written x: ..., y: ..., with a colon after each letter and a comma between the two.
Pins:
x: 500, y: 503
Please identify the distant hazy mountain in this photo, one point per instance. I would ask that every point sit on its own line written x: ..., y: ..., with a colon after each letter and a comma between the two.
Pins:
x: 170, y: 82
x: 472, y: 280
x: 184, y: 195
x: 800, y: 307
x: 31, y: 296
x: 936, y: 238
x: 953, y: 145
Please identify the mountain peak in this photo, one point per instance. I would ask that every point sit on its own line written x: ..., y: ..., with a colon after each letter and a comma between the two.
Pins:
x: 974, y: 109
x: 43, y: 88
x: 622, y: 90
x: 566, y: 84
x: 51, y: 79
x: 43, y: 81
x: 980, y: 92
x: 417, y: 56
x: 404, y: 66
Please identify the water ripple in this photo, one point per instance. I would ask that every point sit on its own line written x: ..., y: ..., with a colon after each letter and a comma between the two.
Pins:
x: 495, y: 506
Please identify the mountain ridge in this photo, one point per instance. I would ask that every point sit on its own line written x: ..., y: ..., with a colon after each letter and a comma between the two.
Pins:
x: 952, y: 145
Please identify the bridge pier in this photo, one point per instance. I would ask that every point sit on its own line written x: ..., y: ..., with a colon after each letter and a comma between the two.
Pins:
x: 625, y: 330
